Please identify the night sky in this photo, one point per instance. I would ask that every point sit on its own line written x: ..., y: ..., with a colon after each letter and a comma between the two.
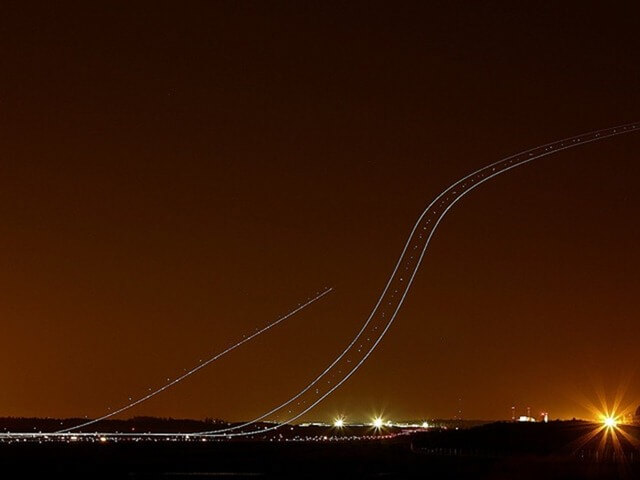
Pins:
x: 175, y: 174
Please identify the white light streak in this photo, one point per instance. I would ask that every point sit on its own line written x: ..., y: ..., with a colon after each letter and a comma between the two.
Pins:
x: 199, y: 366
x: 462, y: 187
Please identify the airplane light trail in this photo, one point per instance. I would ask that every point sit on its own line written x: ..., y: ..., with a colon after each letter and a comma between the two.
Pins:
x: 389, y: 302
x: 408, y: 264
x: 201, y: 365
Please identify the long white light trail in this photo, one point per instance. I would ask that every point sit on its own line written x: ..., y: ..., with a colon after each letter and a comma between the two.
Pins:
x: 434, y: 213
x: 199, y: 366
x: 392, y: 295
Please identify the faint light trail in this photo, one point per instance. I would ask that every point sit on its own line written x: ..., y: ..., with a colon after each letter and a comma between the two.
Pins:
x: 421, y: 233
x: 200, y: 366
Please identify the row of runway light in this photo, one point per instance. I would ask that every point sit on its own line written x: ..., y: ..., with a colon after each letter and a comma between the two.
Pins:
x: 102, y: 438
x: 376, y: 428
x: 392, y: 297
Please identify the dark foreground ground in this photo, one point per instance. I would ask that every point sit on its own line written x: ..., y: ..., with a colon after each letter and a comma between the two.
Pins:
x: 497, y: 451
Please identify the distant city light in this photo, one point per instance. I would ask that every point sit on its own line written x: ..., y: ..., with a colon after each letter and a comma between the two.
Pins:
x: 610, y: 422
x: 338, y: 422
x: 425, y: 424
x: 526, y: 418
x: 378, y: 422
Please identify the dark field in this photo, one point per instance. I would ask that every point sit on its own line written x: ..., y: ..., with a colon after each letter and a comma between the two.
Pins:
x: 501, y: 451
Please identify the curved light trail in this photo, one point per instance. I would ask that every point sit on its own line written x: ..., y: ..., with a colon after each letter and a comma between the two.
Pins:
x: 200, y: 365
x: 400, y: 281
